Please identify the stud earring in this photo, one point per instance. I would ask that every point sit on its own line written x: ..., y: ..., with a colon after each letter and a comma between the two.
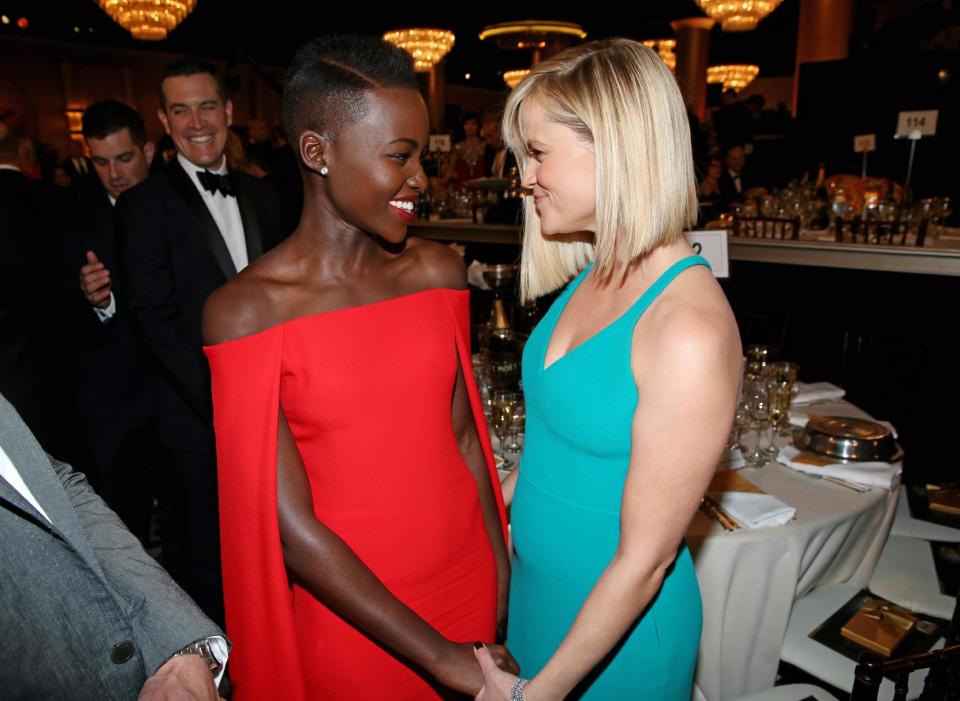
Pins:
x: 324, y: 170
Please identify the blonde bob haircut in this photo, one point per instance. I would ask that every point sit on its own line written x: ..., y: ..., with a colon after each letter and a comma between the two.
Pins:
x: 617, y: 95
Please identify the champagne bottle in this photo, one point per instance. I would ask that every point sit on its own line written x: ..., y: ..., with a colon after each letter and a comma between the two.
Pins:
x: 499, y: 315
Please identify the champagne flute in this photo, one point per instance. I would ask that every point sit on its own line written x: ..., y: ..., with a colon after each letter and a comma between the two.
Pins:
x: 518, y: 418
x: 503, y: 403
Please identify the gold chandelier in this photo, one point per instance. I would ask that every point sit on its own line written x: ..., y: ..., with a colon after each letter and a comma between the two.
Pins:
x: 734, y: 76
x: 738, y: 15
x: 513, y: 78
x: 149, y: 20
x: 665, y: 50
x: 427, y: 46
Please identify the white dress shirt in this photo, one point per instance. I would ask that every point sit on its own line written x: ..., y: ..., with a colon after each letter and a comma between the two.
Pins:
x: 11, y: 474
x: 737, y: 183
x: 224, y: 210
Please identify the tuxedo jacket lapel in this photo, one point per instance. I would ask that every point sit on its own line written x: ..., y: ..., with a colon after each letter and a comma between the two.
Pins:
x: 248, y: 214
x: 208, y: 227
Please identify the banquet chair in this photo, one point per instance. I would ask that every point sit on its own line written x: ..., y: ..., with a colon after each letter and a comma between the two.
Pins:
x: 905, y: 575
x: 767, y: 227
x: 941, y: 667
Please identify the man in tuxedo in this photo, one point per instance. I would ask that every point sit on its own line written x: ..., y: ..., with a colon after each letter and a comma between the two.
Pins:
x: 112, y: 380
x: 183, y: 233
x: 735, y: 183
x: 85, y: 613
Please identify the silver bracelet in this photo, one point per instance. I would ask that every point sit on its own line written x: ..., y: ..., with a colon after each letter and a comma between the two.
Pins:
x: 516, y: 694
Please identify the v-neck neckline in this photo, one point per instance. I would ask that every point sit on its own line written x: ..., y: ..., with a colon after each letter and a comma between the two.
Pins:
x: 683, y: 263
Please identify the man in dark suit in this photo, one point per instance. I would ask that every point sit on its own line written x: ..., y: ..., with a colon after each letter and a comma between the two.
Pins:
x: 184, y: 232
x: 29, y: 274
x: 112, y: 380
x: 85, y: 613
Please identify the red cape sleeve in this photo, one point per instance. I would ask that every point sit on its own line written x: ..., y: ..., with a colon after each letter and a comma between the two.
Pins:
x: 264, y: 661
x: 460, y: 304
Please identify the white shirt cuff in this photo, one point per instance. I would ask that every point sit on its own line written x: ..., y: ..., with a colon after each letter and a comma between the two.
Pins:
x: 105, y: 315
x: 220, y: 648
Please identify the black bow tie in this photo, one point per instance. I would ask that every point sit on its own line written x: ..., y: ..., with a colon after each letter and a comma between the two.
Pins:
x: 215, y: 183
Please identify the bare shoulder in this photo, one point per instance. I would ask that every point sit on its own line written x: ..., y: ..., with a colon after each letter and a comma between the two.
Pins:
x: 237, y: 309
x: 692, y: 325
x: 437, y: 264
x: 249, y: 303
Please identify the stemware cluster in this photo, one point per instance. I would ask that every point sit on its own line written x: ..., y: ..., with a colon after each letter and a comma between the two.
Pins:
x: 762, y: 420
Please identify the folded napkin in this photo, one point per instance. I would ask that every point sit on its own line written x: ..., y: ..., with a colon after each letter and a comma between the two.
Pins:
x: 754, y: 509
x: 817, y: 391
x: 475, y: 275
x: 868, y: 474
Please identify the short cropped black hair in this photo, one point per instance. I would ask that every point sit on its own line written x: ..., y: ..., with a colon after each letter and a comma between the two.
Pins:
x: 188, y: 66
x: 324, y: 86
x: 101, y: 119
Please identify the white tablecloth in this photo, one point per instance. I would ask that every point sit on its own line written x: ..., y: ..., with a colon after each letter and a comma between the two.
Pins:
x: 749, y: 579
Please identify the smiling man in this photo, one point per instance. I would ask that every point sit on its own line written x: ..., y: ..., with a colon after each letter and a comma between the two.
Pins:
x: 184, y: 232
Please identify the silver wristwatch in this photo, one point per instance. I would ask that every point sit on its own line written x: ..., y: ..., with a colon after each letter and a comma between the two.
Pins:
x: 203, y: 648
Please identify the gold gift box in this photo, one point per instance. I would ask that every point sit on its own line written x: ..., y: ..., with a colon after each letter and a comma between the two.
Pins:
x: 879, y: 626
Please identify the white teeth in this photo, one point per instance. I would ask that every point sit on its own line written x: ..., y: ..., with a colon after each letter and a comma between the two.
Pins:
x: 201, y: 139
x: 402, y: 204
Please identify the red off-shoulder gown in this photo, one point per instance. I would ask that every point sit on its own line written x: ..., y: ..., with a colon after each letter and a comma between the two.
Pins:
x: 367, y: 393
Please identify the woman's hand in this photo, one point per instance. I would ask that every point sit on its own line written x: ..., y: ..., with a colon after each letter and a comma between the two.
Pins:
x: 458, y: 669
x: 497, y: 683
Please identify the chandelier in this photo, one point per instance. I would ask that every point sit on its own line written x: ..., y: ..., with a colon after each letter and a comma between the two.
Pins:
x: 149, y: 20
x: 513, y: 78
x: 427, y: 46
x: 738, y: 15
x: 665, y: 50
x: 734, y: 76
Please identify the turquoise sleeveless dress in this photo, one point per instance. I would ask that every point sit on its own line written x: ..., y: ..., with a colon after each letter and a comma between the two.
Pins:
x: 566, y: 513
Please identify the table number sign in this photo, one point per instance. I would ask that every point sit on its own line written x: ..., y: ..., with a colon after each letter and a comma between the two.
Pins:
x: 923, y: 121
x: 712, y: 244
x: 439, y: 142
x: 864, y: 143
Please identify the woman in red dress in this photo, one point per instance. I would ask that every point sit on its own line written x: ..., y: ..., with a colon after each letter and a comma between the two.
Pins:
x: 361, y: 520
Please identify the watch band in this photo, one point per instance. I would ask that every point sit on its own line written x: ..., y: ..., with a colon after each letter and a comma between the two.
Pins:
x: 201, y: 647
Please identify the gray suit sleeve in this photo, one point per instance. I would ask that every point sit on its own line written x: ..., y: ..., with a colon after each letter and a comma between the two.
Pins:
x: 167, y: 619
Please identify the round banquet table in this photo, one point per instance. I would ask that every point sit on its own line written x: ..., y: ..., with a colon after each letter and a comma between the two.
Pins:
x: 749, y: 578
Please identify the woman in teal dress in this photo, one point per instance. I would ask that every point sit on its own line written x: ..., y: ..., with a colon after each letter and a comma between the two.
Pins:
x: 631, y: 382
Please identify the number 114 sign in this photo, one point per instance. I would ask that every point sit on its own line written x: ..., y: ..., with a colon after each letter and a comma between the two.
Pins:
x: 924, y: 121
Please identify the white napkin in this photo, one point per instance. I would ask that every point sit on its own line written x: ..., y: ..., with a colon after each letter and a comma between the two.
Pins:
x: 817, y: 391
x: 753, y: 510
x: 868, y: 474
x: 475, y: 275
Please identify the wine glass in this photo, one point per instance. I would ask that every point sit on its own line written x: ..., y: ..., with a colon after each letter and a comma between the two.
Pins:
x: 758, y: 418
x: 518, y: 419
x: 503, y: 403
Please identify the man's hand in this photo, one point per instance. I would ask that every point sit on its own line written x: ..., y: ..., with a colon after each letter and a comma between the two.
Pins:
x: 95, y: 281
x: 182, y: 678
